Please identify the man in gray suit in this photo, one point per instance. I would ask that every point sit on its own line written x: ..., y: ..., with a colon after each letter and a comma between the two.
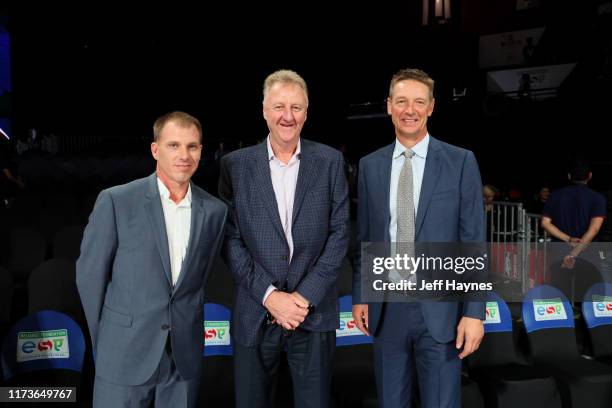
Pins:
x: 145, y: 257
x: 287, y: 235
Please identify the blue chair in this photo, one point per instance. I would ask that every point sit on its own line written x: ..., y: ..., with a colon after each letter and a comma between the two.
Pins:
x: 353, y: 382
x: 46, y: 348
x: 503, y: 375
x: 597, y: 313
x: 217, y: 339
x: 348, y: 334
x: 217, y: 385
x: 549, y: 322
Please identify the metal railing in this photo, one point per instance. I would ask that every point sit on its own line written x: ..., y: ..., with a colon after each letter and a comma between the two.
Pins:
x: 518, y: 244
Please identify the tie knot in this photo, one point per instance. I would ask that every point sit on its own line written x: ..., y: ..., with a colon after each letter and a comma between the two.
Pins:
x: 408, y: 153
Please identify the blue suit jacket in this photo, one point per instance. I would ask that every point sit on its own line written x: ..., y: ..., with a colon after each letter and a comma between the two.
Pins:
x: 256, y: 249
x: 450, y: 210
x: 125, y: 283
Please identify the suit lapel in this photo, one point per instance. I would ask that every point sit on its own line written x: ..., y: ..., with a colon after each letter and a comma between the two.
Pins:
x: 385, y: 162
x: 155, y: 213
x: 430, y: 178
x: 195, y: 232
x: 308, y: 171
x: 263, y: 185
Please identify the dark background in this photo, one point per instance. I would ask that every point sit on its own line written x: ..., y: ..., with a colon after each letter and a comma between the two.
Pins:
x: 98, y: 78
x: 108, y: 73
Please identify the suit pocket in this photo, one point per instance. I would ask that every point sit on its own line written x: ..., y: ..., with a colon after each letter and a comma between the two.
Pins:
x: 444, y: 195
x: 112, y: 316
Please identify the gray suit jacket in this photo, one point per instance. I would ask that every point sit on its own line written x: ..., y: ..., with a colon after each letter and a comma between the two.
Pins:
x: 124, y: 281
x: 256, y: 249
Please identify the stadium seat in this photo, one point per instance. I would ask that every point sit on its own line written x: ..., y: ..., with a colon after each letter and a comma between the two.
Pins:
x: 504, y: 377
x: 549, y: 322
x: 52, y: 286
x: 597, y: 312
x: 44, y: 349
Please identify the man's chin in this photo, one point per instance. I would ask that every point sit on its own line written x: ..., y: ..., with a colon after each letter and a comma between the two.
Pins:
x: 182, y: 178
x: 288, y: 137
x: 411, y: 133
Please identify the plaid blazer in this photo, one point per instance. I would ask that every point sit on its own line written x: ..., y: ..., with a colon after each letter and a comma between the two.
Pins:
x: 256, y: 249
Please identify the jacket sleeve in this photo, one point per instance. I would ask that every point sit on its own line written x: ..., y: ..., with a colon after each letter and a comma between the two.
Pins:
x: 362, y: 232
x: 94, y: 266
x: 472, y: 219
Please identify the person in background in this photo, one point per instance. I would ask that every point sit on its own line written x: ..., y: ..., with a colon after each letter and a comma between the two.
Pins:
x: 536, y: 206
x: 575, y: 213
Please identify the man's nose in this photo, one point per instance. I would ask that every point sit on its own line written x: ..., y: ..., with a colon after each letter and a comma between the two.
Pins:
x: 184, y: 153
x: 409, y: 108
x: 288, y: 114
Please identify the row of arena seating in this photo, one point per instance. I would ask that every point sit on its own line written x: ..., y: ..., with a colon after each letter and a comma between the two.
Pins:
x: 529, y: 357
x: 513, y: 367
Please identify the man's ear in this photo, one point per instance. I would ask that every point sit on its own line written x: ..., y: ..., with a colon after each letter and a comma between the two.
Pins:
x: 154, y: 150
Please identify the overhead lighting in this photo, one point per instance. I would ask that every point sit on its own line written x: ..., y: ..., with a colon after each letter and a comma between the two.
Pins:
x: 442, y: 10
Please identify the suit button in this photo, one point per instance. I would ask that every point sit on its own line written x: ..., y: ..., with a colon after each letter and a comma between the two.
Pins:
x: 165, y: 327
x: 171, y: 301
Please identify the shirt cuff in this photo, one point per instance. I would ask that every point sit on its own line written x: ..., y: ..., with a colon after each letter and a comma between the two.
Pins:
x: 270, y: 289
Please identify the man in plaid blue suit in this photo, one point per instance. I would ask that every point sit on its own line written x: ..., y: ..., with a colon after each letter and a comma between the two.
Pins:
x: 286, y: 238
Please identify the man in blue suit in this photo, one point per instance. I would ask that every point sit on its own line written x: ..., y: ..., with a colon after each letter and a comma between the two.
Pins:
x: 145, y: 257
x: 286, y: 238
x: 442, y: 203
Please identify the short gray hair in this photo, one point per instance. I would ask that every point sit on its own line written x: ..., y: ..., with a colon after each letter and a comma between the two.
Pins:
x: 285, y: 76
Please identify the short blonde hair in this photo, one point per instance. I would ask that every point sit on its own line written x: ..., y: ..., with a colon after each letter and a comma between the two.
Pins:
x: 489, y: 190
x: 285, y: 76
x: 181, y: 119
x: 415, y: 75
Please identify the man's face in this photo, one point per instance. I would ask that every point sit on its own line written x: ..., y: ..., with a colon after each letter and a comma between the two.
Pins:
x: 544, y: 193
x: 177, y: 152
x: 410, y: 107
x: 285, y: 109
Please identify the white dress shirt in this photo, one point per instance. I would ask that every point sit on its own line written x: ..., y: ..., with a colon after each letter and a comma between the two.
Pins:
x: 418, y: 168
x: 284, y: 181
x: 178, y: 226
